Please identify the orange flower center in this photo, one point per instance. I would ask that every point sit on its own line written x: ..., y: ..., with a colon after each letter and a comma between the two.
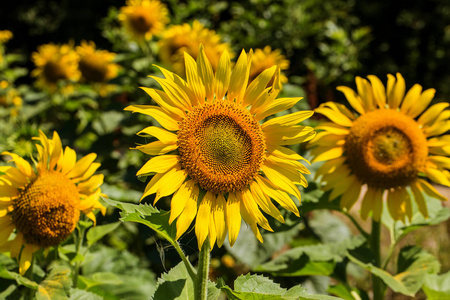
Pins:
x: 140, y: 22
x: 45, y: 211
x: 93, y: 68
x: 386, y: 149
x: 54, y: 71
x: 221, y: 146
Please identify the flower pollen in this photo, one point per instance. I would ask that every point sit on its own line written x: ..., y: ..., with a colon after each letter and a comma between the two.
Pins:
x: 221, y: 146
x: 45, y: 211
x: 386, y: 149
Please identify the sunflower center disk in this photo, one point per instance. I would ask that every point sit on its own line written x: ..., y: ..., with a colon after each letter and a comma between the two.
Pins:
x: 45, y: 211
x: 221, y: 146
x: 93, y: 68
x: 53, y: 71
x: 140, y: 23
x: 386, y: 149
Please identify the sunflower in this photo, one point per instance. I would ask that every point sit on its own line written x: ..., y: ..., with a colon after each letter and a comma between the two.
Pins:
x: 5, y: 35
x: 40, y: 209
x: 144, y: 18
x: 213, y: 153
x: 55, y: 63
x: 266, y: 58
x: 96, y: 66
x: 393, y: 144
x: 178, y: 39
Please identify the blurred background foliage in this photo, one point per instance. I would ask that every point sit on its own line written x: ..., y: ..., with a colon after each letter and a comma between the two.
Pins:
x: 328, y: 43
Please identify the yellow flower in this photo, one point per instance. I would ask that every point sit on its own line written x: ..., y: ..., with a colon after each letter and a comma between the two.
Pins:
x: 5, y: 35
x: 55, y: 63
x: 178, y: 39
x: 40, y: 209
x: 216, y: 157
x: 393, y: 142
x: 266, y: 58
x: 144, y: 18
x: 96, y: 66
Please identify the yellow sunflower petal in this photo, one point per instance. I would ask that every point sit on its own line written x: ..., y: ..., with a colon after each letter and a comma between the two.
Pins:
x: 276, y: 106
x: 56, y: 152
x: 367, y: 203
x: 193, y: 79
x: 206, y: 73
x: 173, y: 106
x: 212, y: 231
x: 222, y: 76
x: 418, y: 191
x: 253, y: 210
x: 349, y: 198
x: 174, y: 91
x: 203, y: 219
x: 366, y: 93
x: 423, y: 102
x: 179, y: 200
x: 22, y: 164
x: 161, y: 134
x: 67, y: 161
x: 395, y: 90
x: 437, y: 176
x: 82, y: 166
x: 264, y: 202
x: 379, y: 91
x: 411, y: 99
x: 328, y: 154
x: 281, y: 181
x: 248, y: 218
x: 159, y: 164
x: 335, y: 116
x: 189, y: 213
x: 258, y: 86
x: 25, y: 258
x: 287, y: 120
x: 158, y: 114
x: 157, y: 148
x: 353, y: 98
x: 377, y: 204
x: 170, y: 183
x: 233, y: 217
x: 16, y: 246
x: 280, y: 197
x: 219, y: 213
x: 430, y: 115
x: 239, y: 78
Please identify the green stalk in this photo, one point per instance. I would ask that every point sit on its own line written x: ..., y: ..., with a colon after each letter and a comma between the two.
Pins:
x: 78, y: 239
x: 200, y: 291
x: 378, y: 285
x: 189, y: 267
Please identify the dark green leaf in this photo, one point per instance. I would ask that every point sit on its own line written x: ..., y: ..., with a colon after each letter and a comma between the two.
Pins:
x: 4, y: 273
x: 76, y: 294
x: 177, y: 284
x: 56, y: 285
x: 97, y: 232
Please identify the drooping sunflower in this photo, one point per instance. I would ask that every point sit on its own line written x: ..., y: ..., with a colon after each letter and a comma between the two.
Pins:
x: 55, y: 63
x: 178, y: 39
x: 96, y: 66
x: 40, y: 208
x: 266, y: 58
x: 394, y: 143
x: 144, y: 18
x: 220, y: 162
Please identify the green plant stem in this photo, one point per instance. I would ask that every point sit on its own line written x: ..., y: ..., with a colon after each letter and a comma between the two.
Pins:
x: 78, y: 242
x: 189, y: 267
x: 360, y: 229
x: 200, y: 291
x: 378, y: 285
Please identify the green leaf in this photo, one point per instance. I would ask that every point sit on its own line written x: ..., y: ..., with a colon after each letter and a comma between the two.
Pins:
x: 116, y: 274
x: 273, y: 241
x: 395, y: 284
x: 56, y: 285
x: 4, y: 273
x: 257, y: 287
x: 177, y: 284
x: 317, y: 259
x: 97, y: 232
x: 437, y: 287
x: 328, y: 227
x: 413, y: 264
x: 77, y: 294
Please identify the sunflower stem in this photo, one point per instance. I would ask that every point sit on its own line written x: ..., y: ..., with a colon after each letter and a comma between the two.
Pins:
x: 378, y: 285
x: 78, y: 239
x: 200, y: 291
x: 360, y: 229
x: 189, y: 267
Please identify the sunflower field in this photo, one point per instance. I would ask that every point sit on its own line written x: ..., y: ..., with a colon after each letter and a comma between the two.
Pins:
x: 199, y: 149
